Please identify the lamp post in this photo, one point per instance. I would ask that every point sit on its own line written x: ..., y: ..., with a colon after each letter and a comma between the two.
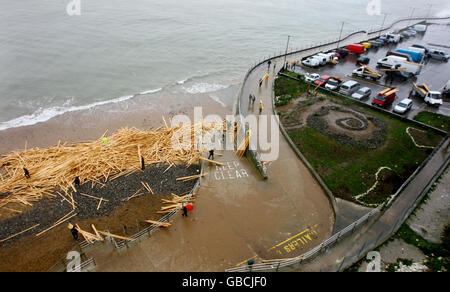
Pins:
x: 412, y: 12
x: 285, y: 55
x: 340, y: 34
x: 429, y: 10
x: 384, y: 20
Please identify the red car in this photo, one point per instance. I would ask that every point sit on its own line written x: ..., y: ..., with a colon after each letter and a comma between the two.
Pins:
x: 385, y: 98
x: 322, y: 80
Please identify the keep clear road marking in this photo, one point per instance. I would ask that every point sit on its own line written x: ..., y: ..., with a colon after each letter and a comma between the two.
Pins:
x: 230, y: 171
x: 289, y: 245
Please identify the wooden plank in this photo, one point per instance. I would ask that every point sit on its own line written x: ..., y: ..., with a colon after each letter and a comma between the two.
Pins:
x: 115, y: 236
x: 212, y: 161
x: 162, y: 224
x: 17, y: 234
x: 96, y: 232
x: 56, y: 224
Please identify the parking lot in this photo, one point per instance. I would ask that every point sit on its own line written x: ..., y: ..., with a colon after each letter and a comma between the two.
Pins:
x: 434, y: 73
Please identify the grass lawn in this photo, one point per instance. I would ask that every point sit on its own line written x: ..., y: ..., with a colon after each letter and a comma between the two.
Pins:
x: 350, y: 171
x: 287, y: 89
x: 435, y: 120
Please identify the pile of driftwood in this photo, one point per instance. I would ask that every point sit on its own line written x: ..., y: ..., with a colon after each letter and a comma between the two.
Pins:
x: 175, y: 203
x: 29, y: 175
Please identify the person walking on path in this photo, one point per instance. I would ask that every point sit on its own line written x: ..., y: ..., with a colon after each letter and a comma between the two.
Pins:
x: 260, y: 82
x: 211, y: 154
x: 74, y: 232
x: 185, y: 211
x: 261, y: 106
x: 274, y: 65
x: 250, y: 98
x: 269, y: 63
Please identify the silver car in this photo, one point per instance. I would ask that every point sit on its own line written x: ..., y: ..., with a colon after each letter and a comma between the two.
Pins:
x: 349, y: 87
x: 439, y: 55
x: 362, y: 93
x: 404, y: 106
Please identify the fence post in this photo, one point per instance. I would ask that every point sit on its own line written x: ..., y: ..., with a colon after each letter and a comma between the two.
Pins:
x: 278, y: 267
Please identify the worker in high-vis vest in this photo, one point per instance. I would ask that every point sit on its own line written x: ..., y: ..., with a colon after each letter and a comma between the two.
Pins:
x: 267, y: 76
x: 261, y: 106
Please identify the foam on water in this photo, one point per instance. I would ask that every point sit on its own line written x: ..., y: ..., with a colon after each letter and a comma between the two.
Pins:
x: 204, y: 87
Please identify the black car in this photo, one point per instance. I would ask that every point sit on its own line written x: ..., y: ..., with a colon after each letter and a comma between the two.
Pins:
x: 363, y: 60
x: 342, y: 52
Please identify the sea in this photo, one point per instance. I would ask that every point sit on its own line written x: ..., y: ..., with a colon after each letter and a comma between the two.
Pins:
x: 60, y: 56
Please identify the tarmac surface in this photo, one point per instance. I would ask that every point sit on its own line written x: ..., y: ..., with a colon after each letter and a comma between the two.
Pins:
x: 435, y: 73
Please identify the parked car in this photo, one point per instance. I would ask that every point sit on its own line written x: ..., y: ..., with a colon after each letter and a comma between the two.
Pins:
x: 404, y: 106
x: 446, y: 90
x: 311, y: 77
x: 322, y: 80
x: 420, y: 27
x: 333, y: 84
x: 311, y: 62
x: 439, y: 55
x: 385, y: 97
x: 375, y: 44
x: 393, y: 38
x: 412, y: 32
x: 349, y: 87
x: 406, y: 34
x: 362, y: 93
x: 363, y: 60
x: 342, y: 52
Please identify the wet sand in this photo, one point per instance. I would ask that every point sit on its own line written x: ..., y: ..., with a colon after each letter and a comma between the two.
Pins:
x: 143, y: 112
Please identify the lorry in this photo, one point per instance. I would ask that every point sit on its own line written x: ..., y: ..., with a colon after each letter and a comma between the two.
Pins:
x: 430, y: 97
x: 355, y: 48
x: 366, y: 72
x: 415, y: 56
x: 385, y: 97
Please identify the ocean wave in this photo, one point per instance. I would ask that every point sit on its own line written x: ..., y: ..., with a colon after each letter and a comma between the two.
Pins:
x: 150, y: 91
x: 204, y: 87
x: 45, y: 114
x: 217, y: 99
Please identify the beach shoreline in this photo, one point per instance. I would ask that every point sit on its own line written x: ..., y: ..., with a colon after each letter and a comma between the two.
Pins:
x: 86, y: 125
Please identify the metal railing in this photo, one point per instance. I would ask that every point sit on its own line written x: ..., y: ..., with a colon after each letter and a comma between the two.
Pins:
x: 325, y: 245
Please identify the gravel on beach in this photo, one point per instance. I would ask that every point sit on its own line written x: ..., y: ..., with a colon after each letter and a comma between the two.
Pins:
x: 47, y: 211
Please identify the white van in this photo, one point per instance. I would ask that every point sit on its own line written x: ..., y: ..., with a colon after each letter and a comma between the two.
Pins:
x: 411, y: 68
x: 322, y: 59
x: 311, y: 62
x: 391, y: 61
x: 328, y: 57
x: 420, y: 27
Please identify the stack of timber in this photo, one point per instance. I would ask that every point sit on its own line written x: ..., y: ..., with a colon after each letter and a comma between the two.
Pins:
x: 27, y: 176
